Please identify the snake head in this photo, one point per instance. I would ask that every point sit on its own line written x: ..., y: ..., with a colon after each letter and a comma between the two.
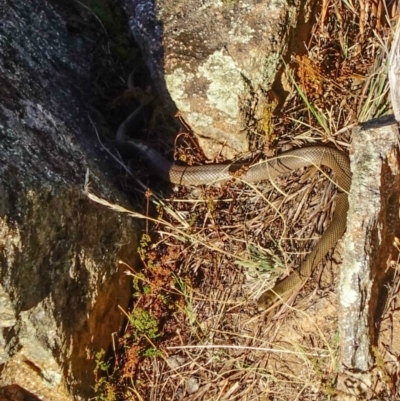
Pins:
x: 267, y: 299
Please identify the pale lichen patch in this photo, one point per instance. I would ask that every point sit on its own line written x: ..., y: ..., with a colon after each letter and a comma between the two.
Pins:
x: 241, y: 33
x: 211, y: 3
x: 199, y: 119
x: 176, y: 85
x: 221, y: 70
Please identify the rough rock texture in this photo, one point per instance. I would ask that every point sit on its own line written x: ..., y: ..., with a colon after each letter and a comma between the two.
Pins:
x: 217, y: 60
x: 370, y: 254
x: 60, y: 284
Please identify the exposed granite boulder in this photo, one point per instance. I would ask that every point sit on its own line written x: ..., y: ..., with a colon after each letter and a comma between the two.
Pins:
x: 60, y: 282
x: 217, y: 60
x: 370, y: 251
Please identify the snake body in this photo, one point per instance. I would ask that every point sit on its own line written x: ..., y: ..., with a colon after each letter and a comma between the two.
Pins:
x: 286, y: 162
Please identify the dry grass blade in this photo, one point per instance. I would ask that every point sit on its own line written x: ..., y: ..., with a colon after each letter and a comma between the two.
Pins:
x: 394, y: 72
x: 217, y: 248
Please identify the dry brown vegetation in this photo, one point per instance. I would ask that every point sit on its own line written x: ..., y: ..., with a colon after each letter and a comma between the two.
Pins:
x: 193, y: 331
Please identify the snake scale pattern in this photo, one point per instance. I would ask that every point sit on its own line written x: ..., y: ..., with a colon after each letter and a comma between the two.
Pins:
x: 285, y: 163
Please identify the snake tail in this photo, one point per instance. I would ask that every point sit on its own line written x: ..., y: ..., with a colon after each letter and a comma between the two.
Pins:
x: 269, y: 169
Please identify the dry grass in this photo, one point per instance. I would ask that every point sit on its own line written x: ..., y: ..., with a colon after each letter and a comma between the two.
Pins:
x: 212, y: 251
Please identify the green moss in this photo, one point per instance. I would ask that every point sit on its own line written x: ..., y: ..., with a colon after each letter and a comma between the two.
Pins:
x: 151, y: 353
x: 144, y: 243
x: 145, y: 324
x: 103, y: 388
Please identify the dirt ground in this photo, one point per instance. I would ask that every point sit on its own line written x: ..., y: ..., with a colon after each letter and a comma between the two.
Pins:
x: 194, y: 331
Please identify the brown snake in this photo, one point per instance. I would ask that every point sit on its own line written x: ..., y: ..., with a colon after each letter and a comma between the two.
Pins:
x: 286, y: 162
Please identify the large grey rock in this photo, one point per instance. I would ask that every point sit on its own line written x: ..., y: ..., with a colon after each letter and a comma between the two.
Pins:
x: 370, y: 251
x: 216, y: 60
x: 60, y: 283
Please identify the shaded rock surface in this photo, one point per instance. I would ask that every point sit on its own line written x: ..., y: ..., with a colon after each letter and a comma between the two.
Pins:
x: 217, y: 60
x: 60, y: 283
x: 370, y: 251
